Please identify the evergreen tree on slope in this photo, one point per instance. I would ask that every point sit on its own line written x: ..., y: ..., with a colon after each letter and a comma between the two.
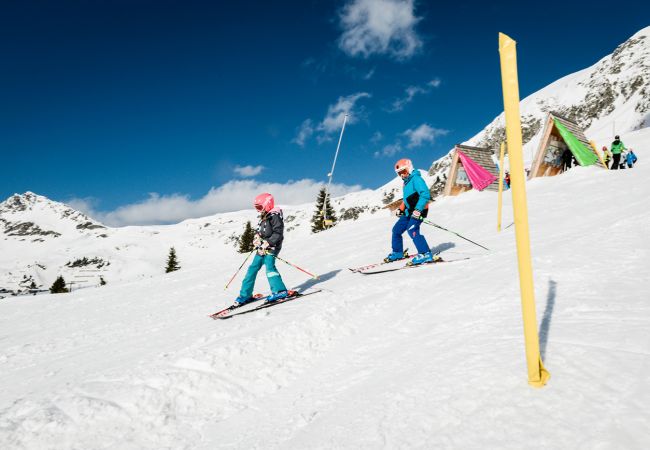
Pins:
x: 172, y: 261
x: 318, y: 221
x: 58, y: 287
x: 246, y: 239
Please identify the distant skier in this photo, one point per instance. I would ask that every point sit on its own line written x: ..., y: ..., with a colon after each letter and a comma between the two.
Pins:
x: 607, y: 156
x: 411, y: 211
x: 567, y: 157
x: 616, y: 148
x: 630, y: 159
x: 268, y: 242
x: 506, y: 180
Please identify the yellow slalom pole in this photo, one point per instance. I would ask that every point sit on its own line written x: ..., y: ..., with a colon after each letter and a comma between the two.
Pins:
x: 537, y: 374
x: 500, y: 188
x: 593, y: 145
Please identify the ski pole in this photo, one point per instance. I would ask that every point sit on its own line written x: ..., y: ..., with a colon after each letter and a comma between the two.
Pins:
x: 453, y: 232
x: 242, y: 265
x: 315, y: 277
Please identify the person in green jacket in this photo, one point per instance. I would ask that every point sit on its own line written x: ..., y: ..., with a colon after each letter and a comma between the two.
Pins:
x: 616, y: 149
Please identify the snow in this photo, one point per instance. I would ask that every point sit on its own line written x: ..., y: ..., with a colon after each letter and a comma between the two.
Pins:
x: 425, y: 358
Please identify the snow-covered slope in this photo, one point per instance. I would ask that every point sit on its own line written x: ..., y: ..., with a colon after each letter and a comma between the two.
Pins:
x: 424, y: 358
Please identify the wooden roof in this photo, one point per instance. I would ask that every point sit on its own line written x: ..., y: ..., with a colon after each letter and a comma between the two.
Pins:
x: 573, y: 127
x: 481, y: 156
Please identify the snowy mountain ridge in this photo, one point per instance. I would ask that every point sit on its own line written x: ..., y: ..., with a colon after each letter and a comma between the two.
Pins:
x: 43, y: 239
x: 35, y: 217
x: 610, y: 97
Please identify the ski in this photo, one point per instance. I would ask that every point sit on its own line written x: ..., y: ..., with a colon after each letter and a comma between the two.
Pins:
x: 225, y: 311
x: 293, y: 296
x: 372, y: 266
x: 408, y: 266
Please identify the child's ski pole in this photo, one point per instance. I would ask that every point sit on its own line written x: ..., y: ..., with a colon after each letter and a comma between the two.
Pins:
x: 453, y: 232
x: 242, y: 265
x: 315, y: 277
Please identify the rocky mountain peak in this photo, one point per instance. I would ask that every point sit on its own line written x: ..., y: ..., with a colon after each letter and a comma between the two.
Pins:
x: 31, y: 215
x: 614, y: 92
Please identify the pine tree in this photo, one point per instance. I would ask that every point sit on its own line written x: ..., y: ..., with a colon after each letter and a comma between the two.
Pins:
x: 172, y: 261
x: 58, y: 287
x: 318, y: 221
x: 246, y: 239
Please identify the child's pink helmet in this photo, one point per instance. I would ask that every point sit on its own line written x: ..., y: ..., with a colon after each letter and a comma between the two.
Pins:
x: 264, y: 202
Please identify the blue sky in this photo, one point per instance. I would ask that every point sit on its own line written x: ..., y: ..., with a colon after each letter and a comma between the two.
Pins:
x: 153, y: 111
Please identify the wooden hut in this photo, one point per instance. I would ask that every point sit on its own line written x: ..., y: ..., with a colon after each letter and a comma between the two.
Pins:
x: 555, y: 140
x: 457, y: 180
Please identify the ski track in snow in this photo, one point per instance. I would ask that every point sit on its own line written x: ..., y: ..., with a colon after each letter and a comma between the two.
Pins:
x: 426, y: 358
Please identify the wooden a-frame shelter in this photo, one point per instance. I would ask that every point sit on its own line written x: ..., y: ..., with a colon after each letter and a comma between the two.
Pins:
x: 559, y: 134
x: 457, y: 180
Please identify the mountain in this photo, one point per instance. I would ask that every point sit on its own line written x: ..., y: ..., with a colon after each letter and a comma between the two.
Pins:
x: 610, y: 97
x: 36, y: 218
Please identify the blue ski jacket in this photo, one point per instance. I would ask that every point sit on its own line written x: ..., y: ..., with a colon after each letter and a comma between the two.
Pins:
x: 416, y: 194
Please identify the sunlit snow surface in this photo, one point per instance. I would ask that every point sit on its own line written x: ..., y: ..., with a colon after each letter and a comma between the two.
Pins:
x: 424, y: 358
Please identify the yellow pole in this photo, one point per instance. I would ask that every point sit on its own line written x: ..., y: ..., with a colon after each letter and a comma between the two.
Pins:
x: 537, y: 374
x: 593, y: 145
x: 500, y: 188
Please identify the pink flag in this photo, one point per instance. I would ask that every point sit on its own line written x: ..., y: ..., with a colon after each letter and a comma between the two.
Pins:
x: 478, y: 176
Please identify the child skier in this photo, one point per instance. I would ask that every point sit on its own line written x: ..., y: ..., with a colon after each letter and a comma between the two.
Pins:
x: 412, y: 210
x: 630, y: 159
x: 268, y: 242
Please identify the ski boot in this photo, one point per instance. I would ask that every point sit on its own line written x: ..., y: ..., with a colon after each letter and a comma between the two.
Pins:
x: 424, y: 258
x: 274, y: 297
x: 396, y: 256
x: 241, y: 301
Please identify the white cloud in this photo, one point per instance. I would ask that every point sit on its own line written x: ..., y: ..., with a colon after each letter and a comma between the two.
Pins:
x: 248, y: 171
x: 410, y: 93
x: 389, y: 150
x: 305, y: 131
x: 333, y: 120
x: 379, y: 27
x: 232, y: 196
x: 423, y: 133
x: 376, y: 137
x: 369, y: 75
x: 86, y: 205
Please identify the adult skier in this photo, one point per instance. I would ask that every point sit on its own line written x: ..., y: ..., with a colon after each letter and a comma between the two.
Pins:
x: 616, y: 148
x: 268, y: 242
x: 411, y: 211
